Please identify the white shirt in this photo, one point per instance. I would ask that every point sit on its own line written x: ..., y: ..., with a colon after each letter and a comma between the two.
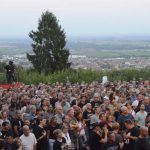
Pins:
x: 28, y: 142
x: 135, y: 103
x: 140, y: 118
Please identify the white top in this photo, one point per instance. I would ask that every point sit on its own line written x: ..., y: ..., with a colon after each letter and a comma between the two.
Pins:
x: 140, y: 118
x: 135, y: 103
x: 28, y: 142
x: 67, y: 138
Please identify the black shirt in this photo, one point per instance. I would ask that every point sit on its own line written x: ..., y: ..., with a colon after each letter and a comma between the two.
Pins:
x: 60, y: 145
x: 142, y: 144
x: 19, y: 124
x: 42, y: 144
x: 133, y: 132
x: 87, y: 115
x: 10, y: 69
x: 51, y: 130
x: 94, y: 141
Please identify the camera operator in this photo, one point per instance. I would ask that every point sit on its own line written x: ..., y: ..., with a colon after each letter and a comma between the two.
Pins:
x: 10, y: 69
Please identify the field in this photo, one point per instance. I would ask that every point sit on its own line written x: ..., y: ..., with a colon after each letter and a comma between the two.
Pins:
x: 98, y: 47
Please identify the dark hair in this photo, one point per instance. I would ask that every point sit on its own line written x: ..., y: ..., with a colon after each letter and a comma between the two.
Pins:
x: 129, y: 122
x: 39, y: 119
x: 10, y: 62
x: 77, y: 114
x: 102, y: 124
x: 5, y: 123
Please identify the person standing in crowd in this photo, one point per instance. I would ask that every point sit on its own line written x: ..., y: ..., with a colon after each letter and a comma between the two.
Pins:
x: 87, y: 113
x: 147, y: 104
x: 131, y: 135
x: 142, y: 141
x: 96, y: 141
x: 17, y: 124
x: 51, y: 126
x: 6, y: 129
x: 112, y: 144
x: 9, y: 143
x: 140, y: 116
x: 41, y: 135
x: 95, y: 117
x: 96, y: 100
x: 65, y: 134
x: 28, y: 139
x: 124, y: 116
x: 137, y: 103
x: 60, y: 142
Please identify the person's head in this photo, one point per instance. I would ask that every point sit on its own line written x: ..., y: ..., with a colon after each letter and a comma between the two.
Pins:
x: 95, y: 127
x: 9, y: 139
x: 42, y: 121
x: 33, y: 101
x: 88, y: 106
x: 4, y: 114
x: 78, y: 115
x: 27, y: 122
x: 106, y: 100
x: 18, y: 114
x: 60, y: 96
x: 70, y: 113
x: 65, y: 119
x: 96, y: 97
x: 116, y: 126
x: 57, y: 133
x: 33, y: 109
x: 10, y: 62
x: 59, y: 109
x: 26, y: 130
x: 144, y: 132
x: 44, y: 102
x: 83, y: 99
x: 25, y: 116
x: 5, y: 125
x: 129, y: 105
x: 103, y: 124
x: 102, y: 117
x: 111, y: 137
x: 97, y: 110
x: 140, y: 97
x: 17, y: 142
x: 146, y: 100
x: 129, y: 124
x: 53, y: 120
x: 142, y: 107
x: 109, y: 118
x: 124, y: 110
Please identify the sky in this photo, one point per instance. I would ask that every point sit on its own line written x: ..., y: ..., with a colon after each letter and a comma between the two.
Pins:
x: 77, y: 17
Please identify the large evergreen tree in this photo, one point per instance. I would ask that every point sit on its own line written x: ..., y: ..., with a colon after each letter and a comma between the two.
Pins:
x: 49, y: 41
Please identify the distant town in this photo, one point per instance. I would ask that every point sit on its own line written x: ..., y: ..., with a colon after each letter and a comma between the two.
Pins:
x: 84, y: 62
x: 88, y: 54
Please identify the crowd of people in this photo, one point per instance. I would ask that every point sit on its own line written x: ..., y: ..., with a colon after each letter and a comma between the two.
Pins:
x: 95, y: 116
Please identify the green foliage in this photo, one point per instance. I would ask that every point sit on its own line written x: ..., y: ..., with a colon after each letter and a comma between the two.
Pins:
x: 49, y: 41
x: 33, y: 77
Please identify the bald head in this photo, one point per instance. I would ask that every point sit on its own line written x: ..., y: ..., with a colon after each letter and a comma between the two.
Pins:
x: 26, y: 130
x: 144, y: 132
